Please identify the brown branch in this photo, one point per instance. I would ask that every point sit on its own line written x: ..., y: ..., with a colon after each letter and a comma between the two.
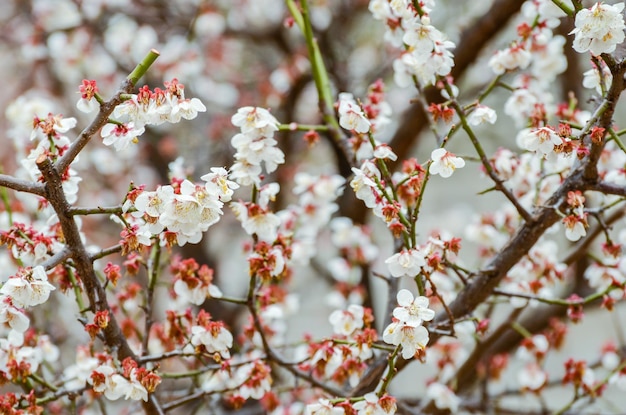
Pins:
x: 82, y: 261
x: 609, y: 189
x: 21, y: 185
x: 101, y: 119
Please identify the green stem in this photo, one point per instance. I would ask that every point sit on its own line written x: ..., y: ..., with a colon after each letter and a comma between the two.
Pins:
x: 320, y: 74
x: 4, y: 195
x: 521, y: 330
x: 391, y: 368
x: 617, y: 140
x: 143, y: 66
x: 490, y: 88
x: 487, y: 165
x: 302, y: 127
x: 561, y: 5
x: 231, y: 300
x: 77, y: 291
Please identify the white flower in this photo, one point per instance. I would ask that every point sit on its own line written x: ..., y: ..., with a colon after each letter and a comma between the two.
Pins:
x: 510, y: 58
x: 187, y: 109
x: 28, y: 288
x: 218, y: 184
x: 351, y: 117
x: 121, y: 136
x: 543, y: 139
x: 574, y: 227
x: 532, y: 377
x: 215, y: 339
x: 345, y: 322
x: 87, y: 105
x: 383, y: 151
x: 198, y: 293
x: 599, y: 29
x: 412, y: 339
x: 323, y: 407
x: 114, y: 386
x: 257, y: 149
x: 154, y: 203
x: 481, y: 115
x: 412, y: 312
x: 444, y: 163
x: 363, y: 183
x: 12, y: 316
x: 256, y: 220
x: 245, y: 173
x: 405, y: 263
x: 598, y: 79
x: 77, y: 375
x: 370, y: 406
x: 255, y: 121
x: 443, y: 397
x: 421, y: 35
x: 135, y: 390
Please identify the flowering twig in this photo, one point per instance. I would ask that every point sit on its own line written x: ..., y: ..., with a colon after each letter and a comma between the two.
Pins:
x: 106, y: 109
x: 499, y: 183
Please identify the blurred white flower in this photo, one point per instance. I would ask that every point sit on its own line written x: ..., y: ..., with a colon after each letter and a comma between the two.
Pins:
x: 345, y: 322
x: 405, y: 263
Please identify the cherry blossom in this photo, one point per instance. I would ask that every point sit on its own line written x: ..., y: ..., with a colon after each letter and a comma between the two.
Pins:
x: 345, y: 322
x: 532, y: 377
x: 405, y: 263
x: 131, y: 302
x: 28, y: 288
x: 257, y: 221
x: 323, y: 407
x: 444, y: 163
x: 412, y: 312
x: 443, y: 397
x: 255, y: 121
x: 87, y: 103
x: 51, y: 126
x: 543, y: 139
x: 217, y: 183
x: 599, y: 29
x: 373, y: 405
x: 121, y: 136
x: 598, y: 78
x: 574, y: 227
x: 482, y: 114
x: 412, y: 339
x: 213, y: 337
x: 12, y: 316
x: 364, y: 185
x: 510, y: 58
x: 351, y: 116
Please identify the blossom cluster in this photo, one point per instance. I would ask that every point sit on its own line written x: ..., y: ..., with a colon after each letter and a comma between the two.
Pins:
x: 220, y: 334
x: 147, y: 107
x: 179, y: 213
x: 427, y: 51
x: 20, y: 356
x: 407, y: 329
x: 255, y: 144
